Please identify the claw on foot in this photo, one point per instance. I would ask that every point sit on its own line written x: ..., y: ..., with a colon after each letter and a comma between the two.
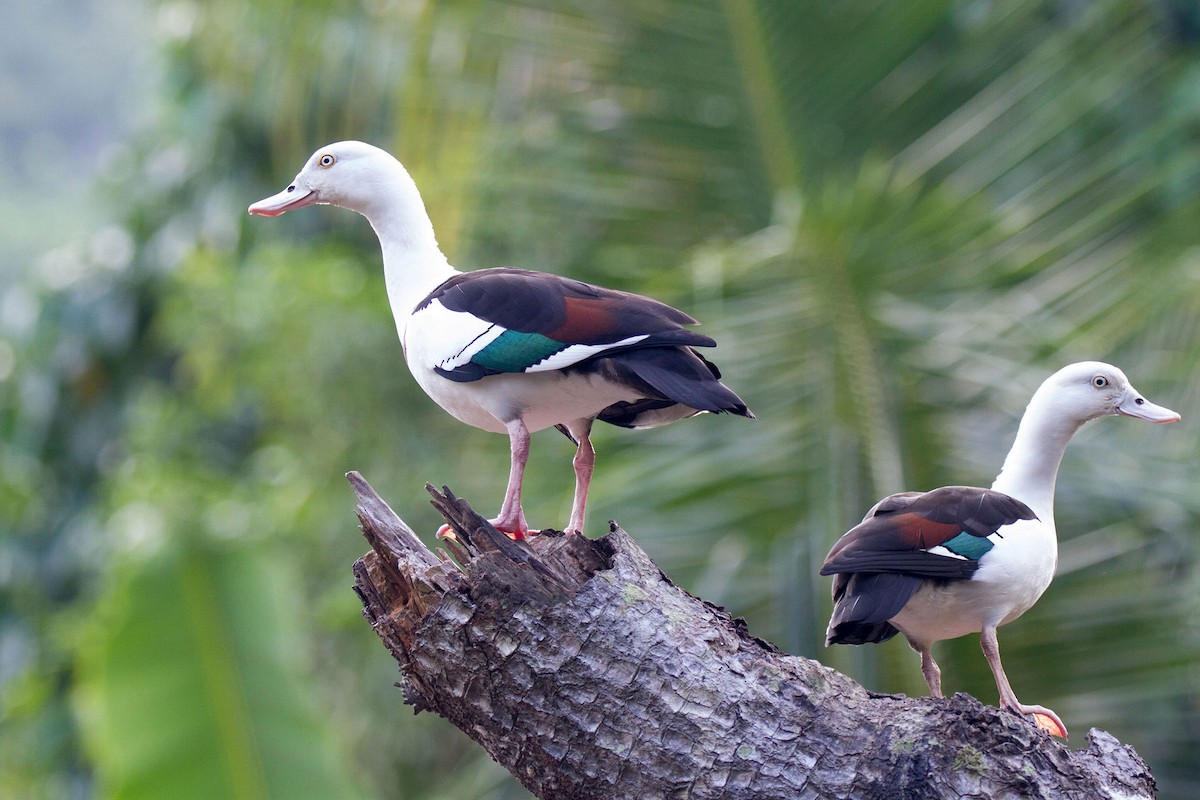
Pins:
x: 447, y: 532
x: 1050, y: 724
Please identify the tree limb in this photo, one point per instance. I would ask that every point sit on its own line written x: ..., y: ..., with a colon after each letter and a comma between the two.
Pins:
x: 581, y: 668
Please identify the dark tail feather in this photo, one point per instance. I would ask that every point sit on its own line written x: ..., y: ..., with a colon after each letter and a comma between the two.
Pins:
x: 859, y: 633
x: 863, y: 602
x: 681, y: 375
x: 633, y: 415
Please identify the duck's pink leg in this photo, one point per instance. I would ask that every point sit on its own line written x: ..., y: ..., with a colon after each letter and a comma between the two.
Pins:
x: 512, y: 517
x: 929, y: 667
x: 584, y: 462
x: 1008, y: 699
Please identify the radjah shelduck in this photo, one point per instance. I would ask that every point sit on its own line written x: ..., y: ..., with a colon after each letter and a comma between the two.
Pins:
x: 957, y: 560
x: 510, y: 350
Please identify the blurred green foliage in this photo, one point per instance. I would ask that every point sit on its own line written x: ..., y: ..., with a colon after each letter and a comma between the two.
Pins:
x: 896, y: 219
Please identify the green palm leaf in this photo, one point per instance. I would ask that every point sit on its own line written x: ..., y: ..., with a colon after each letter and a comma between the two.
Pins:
x: 193, y: 681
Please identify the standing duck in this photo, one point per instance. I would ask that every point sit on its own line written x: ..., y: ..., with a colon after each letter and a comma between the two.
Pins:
x: 510, y: 350
x: 957, y: 560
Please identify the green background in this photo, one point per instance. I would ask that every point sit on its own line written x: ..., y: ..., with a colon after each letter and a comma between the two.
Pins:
x: 896, y: 218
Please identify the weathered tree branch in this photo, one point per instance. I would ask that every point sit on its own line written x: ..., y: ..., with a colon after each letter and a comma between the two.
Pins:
x: 581, y: 668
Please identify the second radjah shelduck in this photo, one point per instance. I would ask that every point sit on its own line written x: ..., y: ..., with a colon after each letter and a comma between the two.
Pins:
x: 958, y: 560
x: 510, y: 350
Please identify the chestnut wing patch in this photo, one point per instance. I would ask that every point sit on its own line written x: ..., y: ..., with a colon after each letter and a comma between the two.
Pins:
x: 536, y: 322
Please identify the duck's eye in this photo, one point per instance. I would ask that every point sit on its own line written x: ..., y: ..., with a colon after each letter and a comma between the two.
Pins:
x: 1099, y: 381
x: 327, y: 160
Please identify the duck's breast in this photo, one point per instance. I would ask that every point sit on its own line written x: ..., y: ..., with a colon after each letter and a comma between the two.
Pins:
x: 1010, y: 578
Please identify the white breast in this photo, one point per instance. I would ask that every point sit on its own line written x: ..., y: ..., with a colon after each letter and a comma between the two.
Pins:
x: 1010, y: 579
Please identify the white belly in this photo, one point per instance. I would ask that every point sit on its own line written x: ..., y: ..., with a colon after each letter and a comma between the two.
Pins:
x: 1010, y: 579
x: 541, y: 399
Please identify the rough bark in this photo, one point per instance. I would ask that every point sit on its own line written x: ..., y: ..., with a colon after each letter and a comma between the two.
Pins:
x: 580, y: 667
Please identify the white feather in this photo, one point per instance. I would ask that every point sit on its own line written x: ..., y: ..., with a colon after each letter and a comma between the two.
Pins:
x: 579, y: 352
x: 447, y: 339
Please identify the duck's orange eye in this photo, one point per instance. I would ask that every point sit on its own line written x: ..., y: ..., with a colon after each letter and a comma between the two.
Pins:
x: 327, y: 160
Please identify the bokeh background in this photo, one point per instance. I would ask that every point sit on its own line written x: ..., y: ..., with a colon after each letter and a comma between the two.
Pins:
x: 896, y: 219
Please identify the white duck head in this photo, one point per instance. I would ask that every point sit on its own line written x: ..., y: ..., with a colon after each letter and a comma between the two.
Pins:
x: 1092, y: 389
x: 363, y: 178
x: 353, y: 175
x: 1066, y: 400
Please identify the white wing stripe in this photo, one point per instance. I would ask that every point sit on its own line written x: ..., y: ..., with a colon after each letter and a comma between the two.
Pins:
x: 468, y: 350
x: 578, y: 352
x: 942, y: 551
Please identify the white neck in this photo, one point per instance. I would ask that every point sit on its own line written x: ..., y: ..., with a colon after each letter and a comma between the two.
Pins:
x: 413, y: 264
x: 1031, y: 467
